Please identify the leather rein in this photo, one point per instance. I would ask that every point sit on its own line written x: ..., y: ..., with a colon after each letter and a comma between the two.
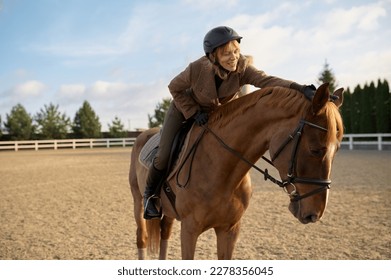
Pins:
x: 294, y: 195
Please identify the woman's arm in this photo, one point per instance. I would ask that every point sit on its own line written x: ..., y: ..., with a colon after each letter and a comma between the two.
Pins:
x: 180, y: 89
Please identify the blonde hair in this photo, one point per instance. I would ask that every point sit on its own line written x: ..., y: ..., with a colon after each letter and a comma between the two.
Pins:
x: 220, y: 71
x: 231, y: 45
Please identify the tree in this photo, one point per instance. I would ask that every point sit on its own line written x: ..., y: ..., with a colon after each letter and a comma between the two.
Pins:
x: 327, y: 76
x: 160, y: 112
x: 51, y: 123
x: 355, y: 109
x: 382, y: 105
x: 367, y: 109
x: 346, y: 111
x: 19, y: 123
x: 116, y: 129
x: 86, y: 123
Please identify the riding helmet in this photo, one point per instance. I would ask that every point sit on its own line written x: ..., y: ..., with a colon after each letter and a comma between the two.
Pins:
x: 219, y: 36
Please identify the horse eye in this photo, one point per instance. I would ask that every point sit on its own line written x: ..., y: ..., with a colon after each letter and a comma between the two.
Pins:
x: 318, y: 152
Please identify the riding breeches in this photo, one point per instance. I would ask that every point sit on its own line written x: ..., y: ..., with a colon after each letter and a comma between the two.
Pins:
x: 173, y: 122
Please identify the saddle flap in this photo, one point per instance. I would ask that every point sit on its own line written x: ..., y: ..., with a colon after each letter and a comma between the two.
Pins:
x: 148, y: 152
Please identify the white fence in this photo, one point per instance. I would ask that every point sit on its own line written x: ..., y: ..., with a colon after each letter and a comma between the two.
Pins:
x: 352, y: 141
x: 66, y: 144
x: 377, y: 141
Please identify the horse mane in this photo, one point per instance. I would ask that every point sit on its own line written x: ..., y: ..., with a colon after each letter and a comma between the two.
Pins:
x: 279, y: 98
x: 282, y: 98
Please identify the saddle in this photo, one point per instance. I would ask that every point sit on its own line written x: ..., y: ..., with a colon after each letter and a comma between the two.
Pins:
x: 149, y: 150
x: 148, y: 153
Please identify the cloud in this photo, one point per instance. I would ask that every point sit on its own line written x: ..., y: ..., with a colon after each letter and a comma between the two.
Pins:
x: 207, y: 5
x: 29, y: 94
x: 359, y: 18
x: 29, y: 89
x: 141, y: 30
x: 296, y: 51
x: 71, y: 93
x: 265, y: 37
x: 122, y: 65
x: 131, y: 102
x: 78, y: 49
x: 368, y: 67
x: 109, y: 90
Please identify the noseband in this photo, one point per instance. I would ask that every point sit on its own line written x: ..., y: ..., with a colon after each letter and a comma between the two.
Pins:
x: 294, y: 195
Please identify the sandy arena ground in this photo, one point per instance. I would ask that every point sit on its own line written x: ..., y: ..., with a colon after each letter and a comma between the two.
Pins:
x: 76, y: 204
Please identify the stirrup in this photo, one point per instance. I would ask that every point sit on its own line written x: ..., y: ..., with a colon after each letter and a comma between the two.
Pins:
x: 148, y: 215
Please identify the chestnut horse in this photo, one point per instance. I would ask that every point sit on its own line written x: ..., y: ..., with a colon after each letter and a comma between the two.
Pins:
x: 213, y: 186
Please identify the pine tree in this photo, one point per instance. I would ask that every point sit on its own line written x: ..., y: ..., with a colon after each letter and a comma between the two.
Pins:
x: 86, y: 123
x: 19, y: 124
x: 327, y: 76
x: 51, y: 123
x: 346, y: 110
x: 366, y: 109
x: 386, y: 91
x: 160, y: 112
x: 355, y: 110
x: 116, y: 128
x: 382, y: 104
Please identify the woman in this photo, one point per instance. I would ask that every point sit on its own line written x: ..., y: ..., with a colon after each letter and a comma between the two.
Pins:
x: 205, y: 84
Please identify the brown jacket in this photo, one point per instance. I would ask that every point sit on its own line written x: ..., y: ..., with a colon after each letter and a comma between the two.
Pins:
x: 200, y: 77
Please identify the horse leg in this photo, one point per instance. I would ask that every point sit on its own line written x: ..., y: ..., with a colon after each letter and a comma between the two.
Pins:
x: 141, y: 232
x: 166, y: 228
x: 189, y: 236
x: 226, y: 240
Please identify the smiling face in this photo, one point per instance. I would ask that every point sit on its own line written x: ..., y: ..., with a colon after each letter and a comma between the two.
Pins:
x: 228, y: 55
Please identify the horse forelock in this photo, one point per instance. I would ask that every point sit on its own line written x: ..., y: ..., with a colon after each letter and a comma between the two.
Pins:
x: 279, y: 98
x: 334, y: 122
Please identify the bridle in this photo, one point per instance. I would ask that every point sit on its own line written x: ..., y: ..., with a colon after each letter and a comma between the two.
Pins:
x: 291, y: 178
x: 323, y: 184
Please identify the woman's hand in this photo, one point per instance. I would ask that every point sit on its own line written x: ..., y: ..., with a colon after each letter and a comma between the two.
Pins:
x: 200, y: 118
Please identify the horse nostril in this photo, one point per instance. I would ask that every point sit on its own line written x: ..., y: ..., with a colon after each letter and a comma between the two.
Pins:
x: 312, y: 218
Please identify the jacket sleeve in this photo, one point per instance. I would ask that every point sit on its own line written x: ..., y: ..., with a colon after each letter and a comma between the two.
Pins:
x: 259, y: 78
x: 183, y: 97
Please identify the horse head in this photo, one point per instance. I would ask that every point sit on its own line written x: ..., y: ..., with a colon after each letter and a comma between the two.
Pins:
x: 304, y: 156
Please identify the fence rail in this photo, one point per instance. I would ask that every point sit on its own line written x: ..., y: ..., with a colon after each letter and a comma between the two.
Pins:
x: 66, y: 144
x: 352, y: 141
x: 367, y: 141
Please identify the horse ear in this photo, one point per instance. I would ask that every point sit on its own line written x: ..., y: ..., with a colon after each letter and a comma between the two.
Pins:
x: 320, y: 99
x: 339, y: 93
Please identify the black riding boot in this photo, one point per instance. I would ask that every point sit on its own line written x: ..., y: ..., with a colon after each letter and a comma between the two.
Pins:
x: 153, y: 180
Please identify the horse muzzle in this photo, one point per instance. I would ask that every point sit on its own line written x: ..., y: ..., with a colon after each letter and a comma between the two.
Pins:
x: 302, y: 207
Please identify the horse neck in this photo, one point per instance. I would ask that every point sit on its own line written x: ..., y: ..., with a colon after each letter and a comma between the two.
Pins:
x: 249, y: 134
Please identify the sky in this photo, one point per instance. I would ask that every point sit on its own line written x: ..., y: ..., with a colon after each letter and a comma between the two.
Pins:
x: 121, y: 55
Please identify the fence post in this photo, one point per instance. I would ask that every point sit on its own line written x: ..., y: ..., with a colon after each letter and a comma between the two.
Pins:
x: 379, y: 145
x: 36, y: 145
x: 16, y: 146
x: 107, y: 143
x: 350, y: 142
